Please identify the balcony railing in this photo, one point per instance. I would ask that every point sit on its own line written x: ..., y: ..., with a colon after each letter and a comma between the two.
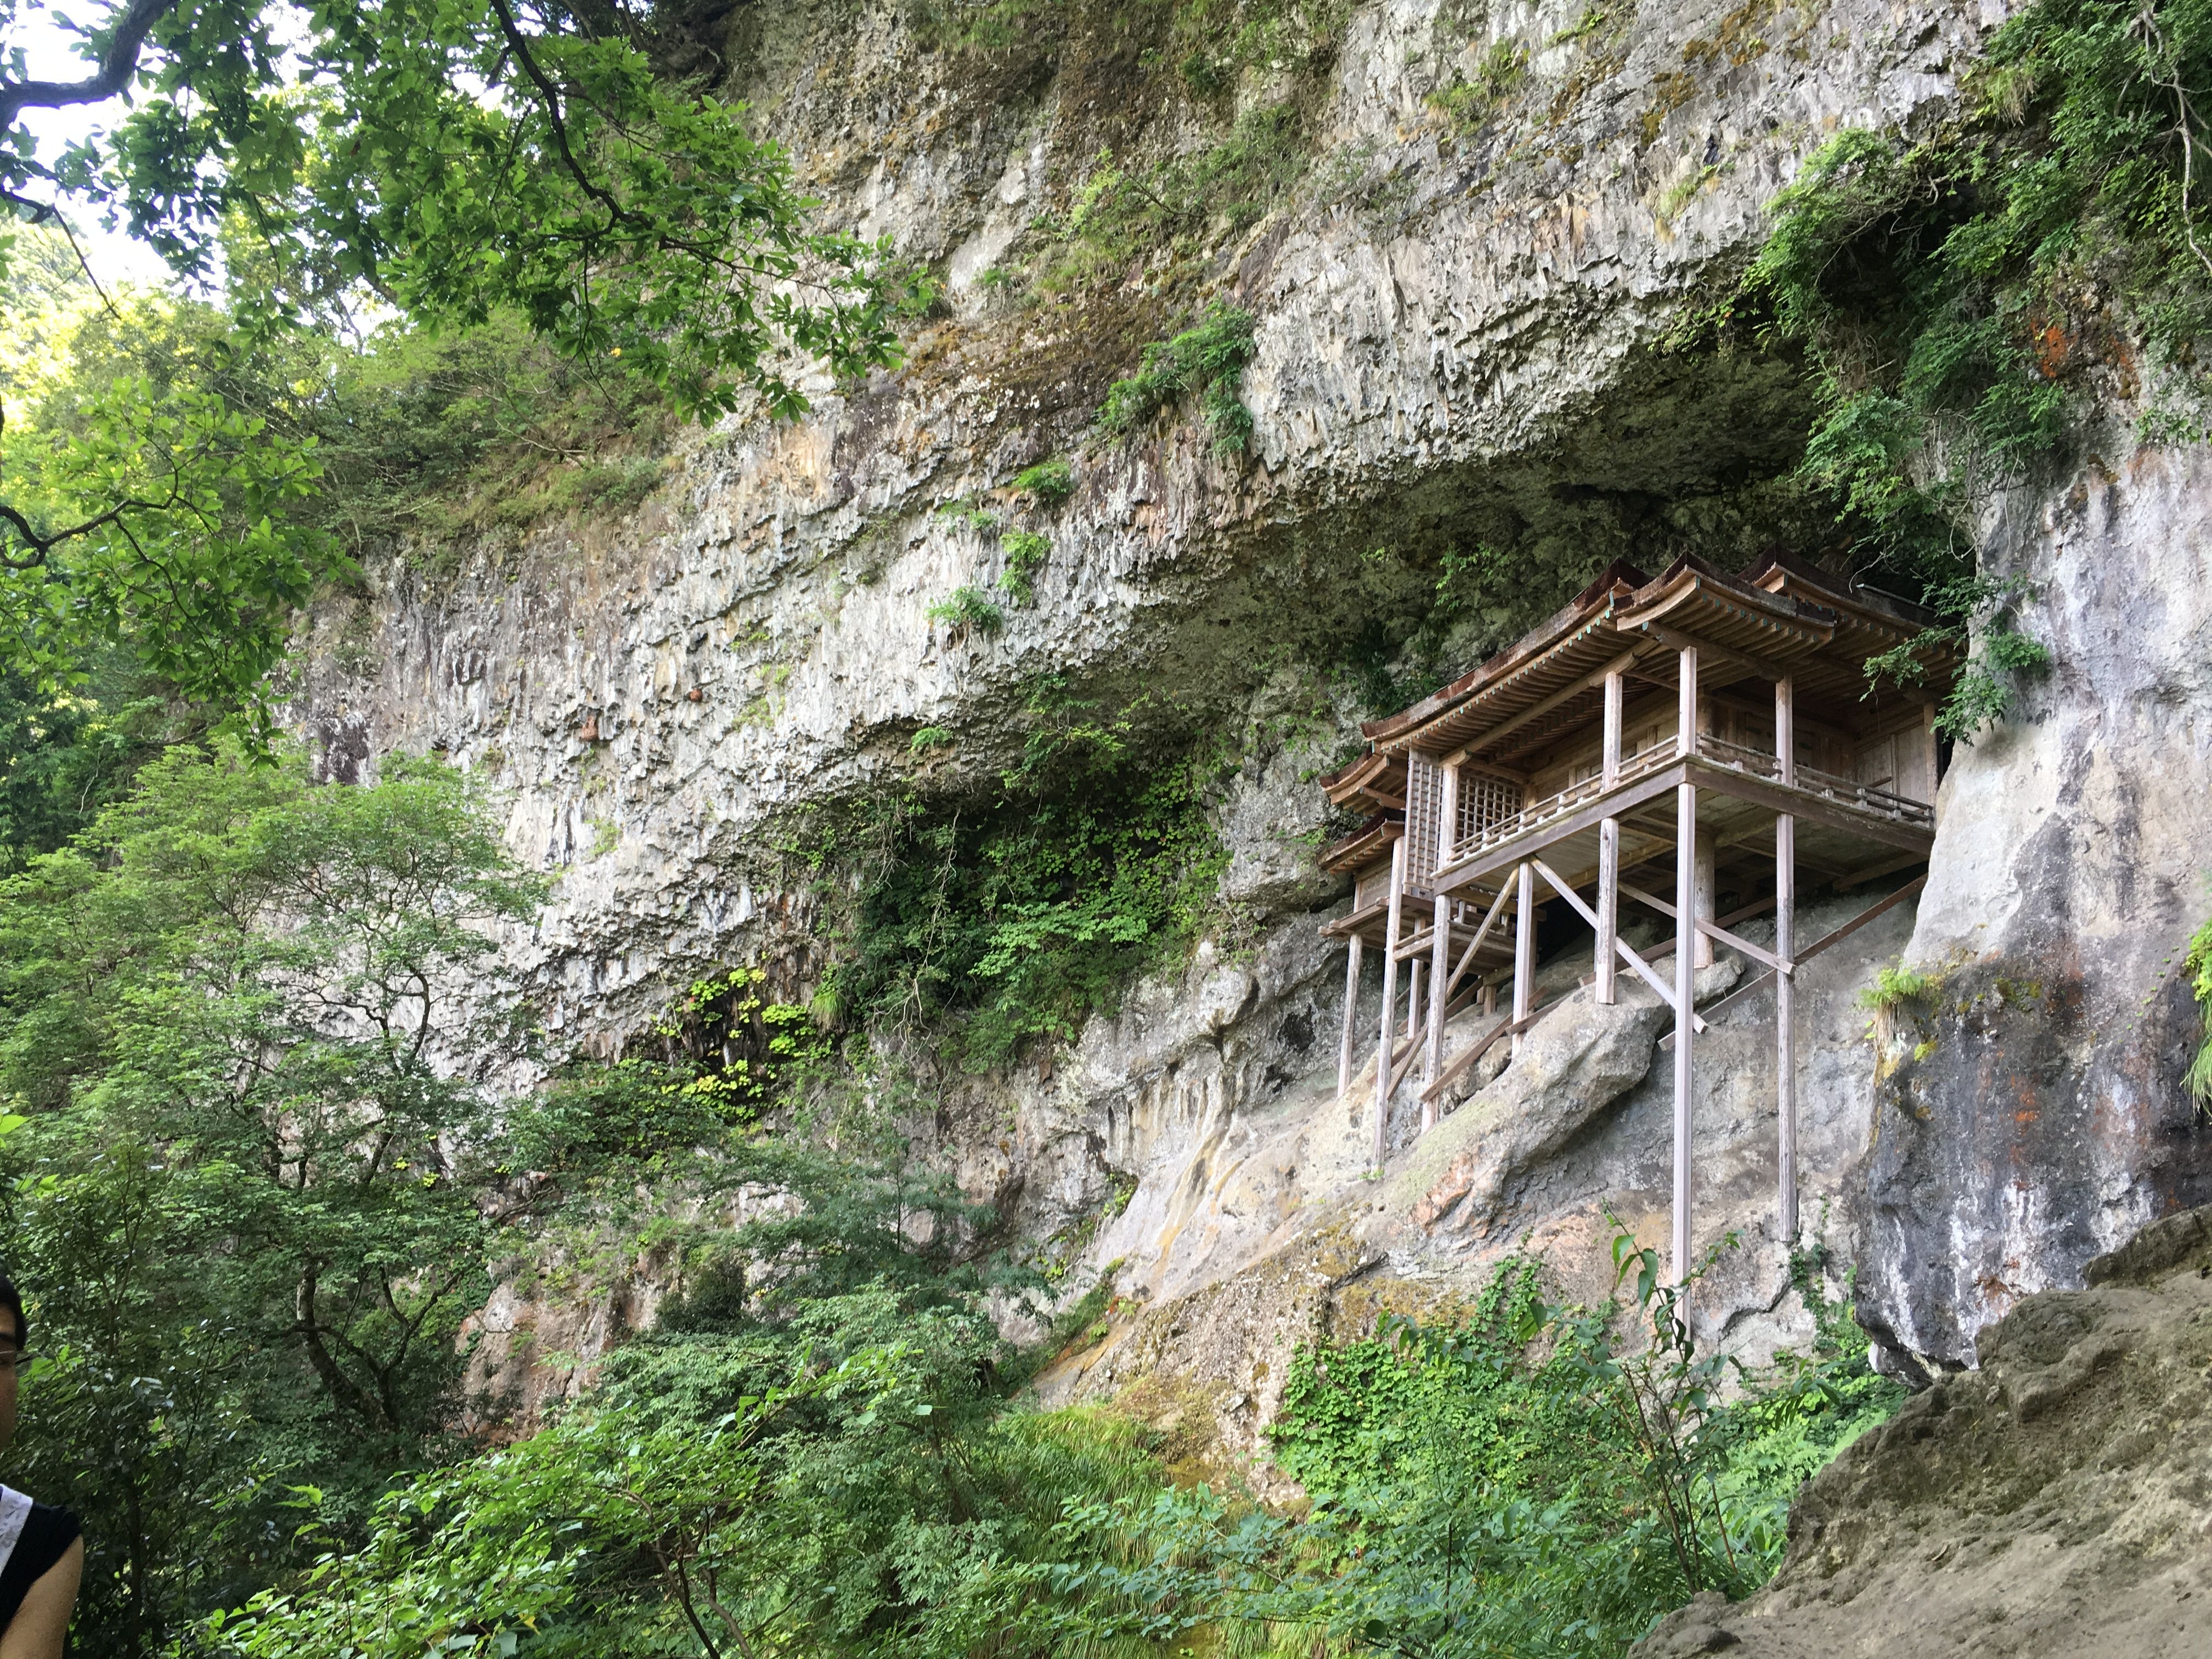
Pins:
x: 1753, y: 763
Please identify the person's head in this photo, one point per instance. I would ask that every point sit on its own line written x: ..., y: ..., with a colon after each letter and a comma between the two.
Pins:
x: 15, y: 1333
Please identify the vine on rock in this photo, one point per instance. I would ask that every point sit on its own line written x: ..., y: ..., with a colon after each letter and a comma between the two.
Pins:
x: 1962, y: 297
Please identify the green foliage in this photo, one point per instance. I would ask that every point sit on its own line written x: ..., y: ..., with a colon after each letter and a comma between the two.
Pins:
x: 739, y: 1048
x: 252, y: 1023
x: 1050, y: 482
x: 1174, y: 214
x: 1955, y: 295
x: 65, y: 756
x: 1523, y: 1485
x: 148, y: 510
x: 453, y: 164
x: 814, y: 1452
x: 1208, y: 360
x: 1472, y: 101
x: 1016, y: 917
x: 1893, y: 986
x: 2199, y: 965
x: 1026, y: 552
x: 965, y: 609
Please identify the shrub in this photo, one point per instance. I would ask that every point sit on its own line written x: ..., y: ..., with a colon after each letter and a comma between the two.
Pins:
x: 1026, y: 552
x: 967, y: 608
x: 1050, y: 482
x: 1205, y: 359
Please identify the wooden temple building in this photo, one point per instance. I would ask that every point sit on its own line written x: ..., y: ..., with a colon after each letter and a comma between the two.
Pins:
x: 1720, y: 725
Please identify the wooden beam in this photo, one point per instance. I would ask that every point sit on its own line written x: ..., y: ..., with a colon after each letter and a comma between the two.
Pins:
x: 1804, y: 803
x: 1505, y: 853
x: 1482, y: 934
x: 1817, y: 945
x: 1383, y: 1081
x: 1765, y: 667
x: 1849, y: 878
x: 1626, y: 952
x: 1524, y: 948
x: 1510, y: 1028
x: 1440, y: 965
x: 1609, y: 847
x: 1566, y: 694
x: 1785, y: 985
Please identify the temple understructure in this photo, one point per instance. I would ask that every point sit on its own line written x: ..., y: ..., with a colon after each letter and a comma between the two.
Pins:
x: 1723, y: 725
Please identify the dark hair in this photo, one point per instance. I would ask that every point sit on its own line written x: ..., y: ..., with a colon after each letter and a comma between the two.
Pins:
x: 12, y: 1299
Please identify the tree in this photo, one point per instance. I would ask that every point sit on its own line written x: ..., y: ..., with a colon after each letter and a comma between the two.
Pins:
x: 248, y: 1027
x: 456, y: 160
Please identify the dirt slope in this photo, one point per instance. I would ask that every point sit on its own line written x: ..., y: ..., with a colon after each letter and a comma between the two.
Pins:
x: 2056, y: 1501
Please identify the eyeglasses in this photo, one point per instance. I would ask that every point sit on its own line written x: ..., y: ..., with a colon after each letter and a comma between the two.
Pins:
x: 15, y: 1360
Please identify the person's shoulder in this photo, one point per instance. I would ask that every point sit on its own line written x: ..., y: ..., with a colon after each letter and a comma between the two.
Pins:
x: 52, y: 1527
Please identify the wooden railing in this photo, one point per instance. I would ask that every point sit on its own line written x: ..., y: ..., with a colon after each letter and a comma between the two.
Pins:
x: 1754, y: 762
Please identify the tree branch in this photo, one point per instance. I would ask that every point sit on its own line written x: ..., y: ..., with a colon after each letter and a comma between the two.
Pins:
x: 115, y: 68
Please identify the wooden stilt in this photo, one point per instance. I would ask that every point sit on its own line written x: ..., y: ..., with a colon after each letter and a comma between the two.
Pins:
x: 1608, y: 851
x: 1440, y: 974
x: 1350, y: 1012
x: 1686, y: 972
x: 1414, y: 1011
x: 1524, y: 948
x: 1707, y: 906
x: 1381, y: 1126
x: 1785, y: 987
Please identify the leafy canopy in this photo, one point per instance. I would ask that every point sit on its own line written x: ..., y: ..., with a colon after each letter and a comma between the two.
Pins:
x: 453, y: 161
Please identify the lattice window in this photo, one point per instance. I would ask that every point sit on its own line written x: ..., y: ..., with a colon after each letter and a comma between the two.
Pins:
x: 1425, y: 806
x: 1485, y: 802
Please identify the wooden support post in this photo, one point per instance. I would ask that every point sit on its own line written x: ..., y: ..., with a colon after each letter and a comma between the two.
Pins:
x: 1608, y: 849
x: 1785, y: 981
x: 1708, y: 902
x: 1413, y: 1010
x: 1686, y: 972
x: 1382, y: 1138
x: 1524, y: 948
x: 1489, y: 998
x: 1440, y: 974
x: 1694, y: 715
x: 1351, y: 1010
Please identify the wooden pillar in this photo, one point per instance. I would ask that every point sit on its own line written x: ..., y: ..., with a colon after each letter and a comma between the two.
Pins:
x: 1440, y: 955
x: 1686, y: 973
x: 1707, y: 909
x: 1413, y: 1010
x: 1351, y: 1010
x: 1608, y: 849
x: 1785, y: 985
x: 1389, y: 1001
x: 1524, y: 949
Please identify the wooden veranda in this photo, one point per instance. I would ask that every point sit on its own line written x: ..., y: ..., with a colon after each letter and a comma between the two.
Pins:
x: 1720, y: 723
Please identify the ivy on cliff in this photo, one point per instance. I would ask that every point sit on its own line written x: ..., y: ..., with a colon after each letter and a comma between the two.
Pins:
x: 1957, y: 297
x: 1013, y: 915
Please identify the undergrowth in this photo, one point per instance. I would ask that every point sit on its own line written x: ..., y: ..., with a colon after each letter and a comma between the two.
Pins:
x: 1536, y: 1479
x: 2198, y: 966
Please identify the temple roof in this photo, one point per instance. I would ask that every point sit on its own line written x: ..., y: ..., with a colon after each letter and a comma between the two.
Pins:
x: 1364, y: 845
x: 1781, y: 616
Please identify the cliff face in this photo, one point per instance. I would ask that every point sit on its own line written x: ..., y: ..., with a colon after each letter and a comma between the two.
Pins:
x: 1468, y: 336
